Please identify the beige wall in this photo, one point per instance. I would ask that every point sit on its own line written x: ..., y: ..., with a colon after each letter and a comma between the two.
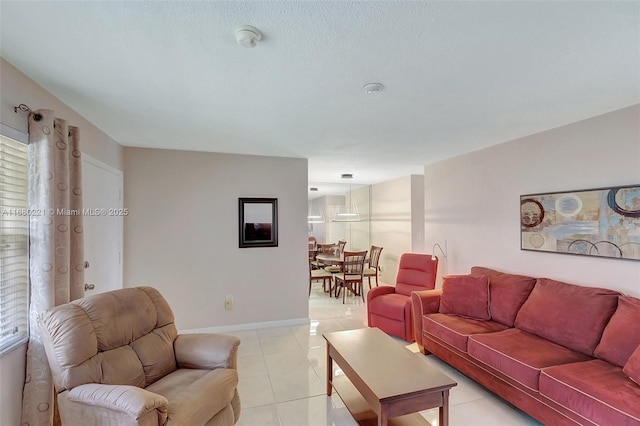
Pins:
x: 417, y: 214
x: 357, y: 234
x: 16, y: 88
x: 181, y: 235
x: 472, y: 201
x: 397, y: 221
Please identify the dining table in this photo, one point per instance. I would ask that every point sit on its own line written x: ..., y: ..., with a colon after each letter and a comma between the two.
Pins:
x: 334, y: 259
x: 331, y: 259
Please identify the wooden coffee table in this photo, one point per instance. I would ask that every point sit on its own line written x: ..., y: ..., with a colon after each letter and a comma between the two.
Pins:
x: 384, y: 380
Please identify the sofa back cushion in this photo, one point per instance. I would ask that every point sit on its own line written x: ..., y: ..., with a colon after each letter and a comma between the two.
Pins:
x: 507, y: 293
x: 621, y: 336
x: 120, y: 337
x: 569, y: 315
x: 416, y: 272
x: 632, y: 366
x: 465, y: 295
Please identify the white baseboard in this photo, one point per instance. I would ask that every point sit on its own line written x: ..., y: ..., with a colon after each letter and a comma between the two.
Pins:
x: 250, y: 326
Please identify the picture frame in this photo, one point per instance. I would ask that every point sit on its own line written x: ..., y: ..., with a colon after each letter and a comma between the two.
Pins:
x: 601, y: 222
x: 258, y: 222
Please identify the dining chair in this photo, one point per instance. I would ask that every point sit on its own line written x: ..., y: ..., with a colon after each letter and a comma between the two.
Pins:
x: 351, y: 276
x: 341, y: 245
x: 332, y: 250
x: 374, y: 259
x: 313, y: 263
x: 320, y: 274
x: 322, y: 248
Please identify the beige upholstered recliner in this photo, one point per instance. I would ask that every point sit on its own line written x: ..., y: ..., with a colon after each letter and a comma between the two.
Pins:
x: 117, y: 359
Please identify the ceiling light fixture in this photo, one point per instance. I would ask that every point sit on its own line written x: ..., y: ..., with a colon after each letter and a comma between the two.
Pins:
x: 373, y: 88
x: 346, y: 176
x: 248, y: 36
x: 315, y: 218
x: 348, y: 212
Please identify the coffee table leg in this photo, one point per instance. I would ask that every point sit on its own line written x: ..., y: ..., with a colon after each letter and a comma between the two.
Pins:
x: 329, y: 371
x: 383, y: 418
x: 444, y: 410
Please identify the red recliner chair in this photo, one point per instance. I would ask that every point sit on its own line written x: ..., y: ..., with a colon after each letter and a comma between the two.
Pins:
x: 389, y: 308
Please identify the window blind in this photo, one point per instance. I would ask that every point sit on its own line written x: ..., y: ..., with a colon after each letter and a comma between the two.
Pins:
x: 14, y: 244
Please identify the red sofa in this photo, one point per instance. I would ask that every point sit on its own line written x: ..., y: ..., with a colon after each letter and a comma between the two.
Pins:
x: 563, y: 353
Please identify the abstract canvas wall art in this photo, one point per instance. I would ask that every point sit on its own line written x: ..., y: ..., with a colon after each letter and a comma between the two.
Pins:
x: 601, y: 222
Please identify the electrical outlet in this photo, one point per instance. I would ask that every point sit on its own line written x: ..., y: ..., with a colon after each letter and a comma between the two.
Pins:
x: 228, y: 302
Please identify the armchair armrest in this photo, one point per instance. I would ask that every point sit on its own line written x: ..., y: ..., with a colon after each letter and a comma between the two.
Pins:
x: 208, y: 351
x: 379, y: 291
x: 130, y: 400
x: 423, y: 302
x: 376, y: 292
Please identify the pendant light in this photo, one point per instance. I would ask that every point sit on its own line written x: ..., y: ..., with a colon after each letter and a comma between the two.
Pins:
x: 315, y: 218
x: 349, y: 212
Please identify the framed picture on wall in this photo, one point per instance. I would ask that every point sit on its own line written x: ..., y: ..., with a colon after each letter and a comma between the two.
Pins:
x: 603, y: 222
x: 258, y: 224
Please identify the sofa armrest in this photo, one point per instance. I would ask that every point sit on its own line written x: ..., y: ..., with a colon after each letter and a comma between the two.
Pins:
x: 130, y: 400
x: 423, y: 302
x: 207, y: 351
x: 379, y: 291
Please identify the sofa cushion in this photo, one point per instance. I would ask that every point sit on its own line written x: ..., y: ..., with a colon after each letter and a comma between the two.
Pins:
x: 595, y: 389
x: 567, y: 314
x: 632, y: 367
x: 456, y: 330
x: 465, y: 295
x: 618, y: 339
x: 184, y: 389
x: 156, y: 353
x: 507, y: 293
x: 390, y: 305
x: 520, y: 355
x: 119, y: 366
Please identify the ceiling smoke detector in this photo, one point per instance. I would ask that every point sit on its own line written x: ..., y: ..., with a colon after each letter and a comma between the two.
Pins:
x: 248, y: 36
x: 373, y: 88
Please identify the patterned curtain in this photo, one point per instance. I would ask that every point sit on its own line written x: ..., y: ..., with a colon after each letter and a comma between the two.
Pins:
x: 56, y: 247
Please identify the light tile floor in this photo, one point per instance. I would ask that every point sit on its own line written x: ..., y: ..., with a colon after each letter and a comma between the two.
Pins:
x: 282, y: 374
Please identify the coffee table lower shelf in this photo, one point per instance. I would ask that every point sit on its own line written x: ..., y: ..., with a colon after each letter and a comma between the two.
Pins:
x: 362, y: 412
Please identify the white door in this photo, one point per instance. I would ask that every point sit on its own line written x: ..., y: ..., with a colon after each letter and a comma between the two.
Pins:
x: 103, y: 218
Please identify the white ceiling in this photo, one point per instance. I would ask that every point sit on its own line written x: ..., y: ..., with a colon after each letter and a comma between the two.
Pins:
x: 459, y: 76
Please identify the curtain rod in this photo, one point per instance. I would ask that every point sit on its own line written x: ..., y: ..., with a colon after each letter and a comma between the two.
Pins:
x: 25, y: 108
